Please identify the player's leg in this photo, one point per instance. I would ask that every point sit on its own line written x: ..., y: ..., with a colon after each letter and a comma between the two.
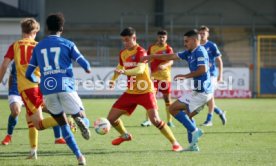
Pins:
x: 56, y: 108
x: 15, y: 108
x: 33, y: 102
x: 167, y: 100
x: 180, y: 111
x: 147, y: 122
x: 33, y: 138
x: 72, y: 104
x: 56, y: 129
x: 148, y: 101
x: 211, y: 105
x: 164, y: 129
x: 126, y: 104
x: 114, y: 119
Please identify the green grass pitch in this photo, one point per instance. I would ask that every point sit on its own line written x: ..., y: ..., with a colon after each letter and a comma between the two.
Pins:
x: 249, y: 138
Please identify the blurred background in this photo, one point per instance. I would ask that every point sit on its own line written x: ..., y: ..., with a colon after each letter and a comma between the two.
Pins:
x: 245, y: 32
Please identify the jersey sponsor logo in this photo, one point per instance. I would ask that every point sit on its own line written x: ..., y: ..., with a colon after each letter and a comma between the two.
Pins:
x: 62, y: 71
x: 130, y: 64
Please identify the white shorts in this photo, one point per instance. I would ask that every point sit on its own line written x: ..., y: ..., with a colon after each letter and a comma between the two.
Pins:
x: 15, y: 99
x: 70, y: 103
x: 214, y: 82
x: 195, y: 101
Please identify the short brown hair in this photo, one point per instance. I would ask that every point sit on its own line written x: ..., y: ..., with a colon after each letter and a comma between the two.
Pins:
x: 203, y: 28
x: 29, y: 25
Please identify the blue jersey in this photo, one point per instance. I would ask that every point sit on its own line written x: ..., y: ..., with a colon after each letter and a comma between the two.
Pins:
x: 13, y: 82
x: 53, y: 55
x: 213, y: 53
x: 196, y: 58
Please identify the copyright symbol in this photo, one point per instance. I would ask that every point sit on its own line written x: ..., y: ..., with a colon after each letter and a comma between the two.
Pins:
x: 50, y: 83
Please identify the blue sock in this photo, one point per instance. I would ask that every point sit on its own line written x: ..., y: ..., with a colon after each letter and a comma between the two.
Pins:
x: 218, y: 111
x: 209, y: 117
x: 11, y: 124
x: 190, y: 133
x: 57, y: 131
x: 185, y: 120
x: 70, y: 140
x: 86, y: 122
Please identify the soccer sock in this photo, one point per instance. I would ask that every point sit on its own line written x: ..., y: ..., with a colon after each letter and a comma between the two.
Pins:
x: 33, y: 135
x: 190, y: 137
x: 209, y: 117
x: 11, y: 124
x: 57, y: 131
x: 169, y: 117
x: 70, y: 140
x: 166, y: 131
x: 218, y: 111
x: 119, y: 126
x: 86, y: 122
x: 47, y: 122
x: 185, y: 120
x: 147, y: 116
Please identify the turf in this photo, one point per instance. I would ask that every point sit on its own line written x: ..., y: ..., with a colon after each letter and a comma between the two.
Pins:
x: 249, y: 138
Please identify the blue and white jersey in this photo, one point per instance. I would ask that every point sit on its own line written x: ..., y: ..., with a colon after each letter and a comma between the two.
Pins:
x: 53, y: 55
x: 13, y: 82
x: 196, y: 58
x: 213, y: 53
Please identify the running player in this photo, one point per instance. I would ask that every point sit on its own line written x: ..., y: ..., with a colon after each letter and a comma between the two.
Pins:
x: 191, y: 104
x: 215, y: 72
x: 53, y: 55
x: 161, y: 73
x: 21, y: 51
x: 140, y: 90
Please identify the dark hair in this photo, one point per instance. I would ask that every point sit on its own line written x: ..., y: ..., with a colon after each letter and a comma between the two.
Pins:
x: 203, y: 28
x: 129, y: 31
x: 55, y: 22
x: 192, y: 33
x: 162, y: 32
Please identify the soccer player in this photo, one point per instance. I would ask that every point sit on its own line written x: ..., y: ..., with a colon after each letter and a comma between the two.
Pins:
x: 16, y: 103
x: 215, y: 72
x: 161, y: 73
x: 53, y: 55
x: 21, y: 51
x: 140, y: 90
x: 191, y: 104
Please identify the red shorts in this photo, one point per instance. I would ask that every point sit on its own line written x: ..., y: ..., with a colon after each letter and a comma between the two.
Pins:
x: 32, y: 99
x: 162, y: 86
x: 128, y: 102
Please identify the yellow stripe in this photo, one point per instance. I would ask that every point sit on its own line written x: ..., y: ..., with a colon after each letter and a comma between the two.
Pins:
x: 29, y: 104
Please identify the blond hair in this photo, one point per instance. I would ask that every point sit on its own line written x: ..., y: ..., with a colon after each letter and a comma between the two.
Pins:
x: 29, y: 25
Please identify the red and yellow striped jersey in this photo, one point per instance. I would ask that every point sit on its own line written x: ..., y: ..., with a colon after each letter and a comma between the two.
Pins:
x: 155, y: 72
x: 21, y: 51
x: 141, y: 83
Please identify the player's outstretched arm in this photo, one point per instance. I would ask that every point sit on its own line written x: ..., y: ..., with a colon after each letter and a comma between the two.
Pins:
x: 220, y: 68
x: 201, y: 70
x: 3, y: 67
x: 165, y: 57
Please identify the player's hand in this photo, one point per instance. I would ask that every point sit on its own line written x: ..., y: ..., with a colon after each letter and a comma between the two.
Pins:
x: 145, y: 59
x: 161, y: 67
x: 119, y: 71
x: 88, y: 70
x: 220, y: 79
x: 111, y: 84
x: 179, y: 77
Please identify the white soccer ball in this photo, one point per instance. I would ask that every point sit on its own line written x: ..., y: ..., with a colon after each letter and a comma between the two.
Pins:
x: 102, y: 126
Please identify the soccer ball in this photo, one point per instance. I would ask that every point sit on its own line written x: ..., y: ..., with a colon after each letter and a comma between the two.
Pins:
x: 102, y: 126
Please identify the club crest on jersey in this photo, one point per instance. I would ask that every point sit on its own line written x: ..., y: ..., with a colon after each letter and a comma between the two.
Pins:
x: 133, y: 57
